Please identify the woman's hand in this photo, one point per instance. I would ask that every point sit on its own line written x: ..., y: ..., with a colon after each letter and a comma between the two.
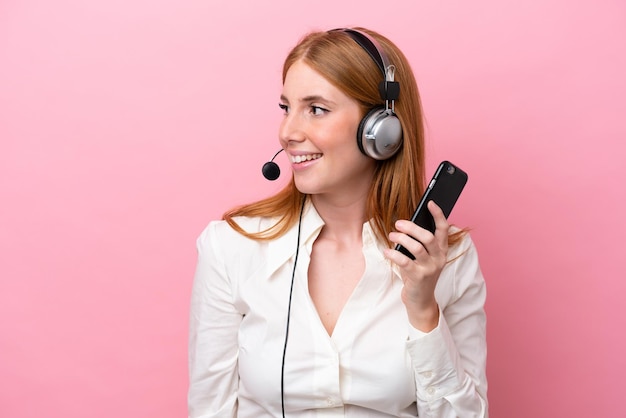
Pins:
x: 420, y: 275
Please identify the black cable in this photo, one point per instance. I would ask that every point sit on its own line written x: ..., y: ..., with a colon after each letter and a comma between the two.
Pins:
x: 293, y: 275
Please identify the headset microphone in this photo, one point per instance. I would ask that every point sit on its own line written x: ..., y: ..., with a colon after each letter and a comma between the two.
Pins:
x: 270, y: 169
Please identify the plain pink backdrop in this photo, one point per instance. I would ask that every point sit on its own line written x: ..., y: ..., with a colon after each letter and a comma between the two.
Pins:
x: 125, y: 126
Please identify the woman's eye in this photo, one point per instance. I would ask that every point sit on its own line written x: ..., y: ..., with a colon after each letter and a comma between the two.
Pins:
x: 284, y: 107
x: 316, y: 110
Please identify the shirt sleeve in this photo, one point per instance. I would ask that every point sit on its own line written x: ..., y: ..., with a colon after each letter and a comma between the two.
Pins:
x: 450, y: 361
x: 213, y: 330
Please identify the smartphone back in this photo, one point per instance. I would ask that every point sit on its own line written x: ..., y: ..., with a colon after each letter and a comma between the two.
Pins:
x: 444, y: 189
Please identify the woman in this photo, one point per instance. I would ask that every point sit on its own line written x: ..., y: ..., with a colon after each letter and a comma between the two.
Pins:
x: 301, y: 307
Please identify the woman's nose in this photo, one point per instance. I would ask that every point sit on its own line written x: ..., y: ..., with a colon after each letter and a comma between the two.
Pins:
x: 291, y: 129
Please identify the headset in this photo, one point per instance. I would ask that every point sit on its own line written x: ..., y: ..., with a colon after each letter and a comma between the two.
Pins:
x: 380, y: 132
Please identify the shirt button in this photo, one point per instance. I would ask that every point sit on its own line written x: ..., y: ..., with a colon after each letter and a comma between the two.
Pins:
x: 427, y: 375
x: 430, y: 390
x: 329, y: 401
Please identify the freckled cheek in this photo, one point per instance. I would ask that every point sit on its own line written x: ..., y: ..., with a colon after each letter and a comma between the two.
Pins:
x: 344, y: 133
x: 350, y: 129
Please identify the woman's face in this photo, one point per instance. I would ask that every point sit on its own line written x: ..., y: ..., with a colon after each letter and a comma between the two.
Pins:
x: 319, y: 135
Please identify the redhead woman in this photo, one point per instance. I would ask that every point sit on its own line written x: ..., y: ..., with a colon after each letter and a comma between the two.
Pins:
x: 301, y: 306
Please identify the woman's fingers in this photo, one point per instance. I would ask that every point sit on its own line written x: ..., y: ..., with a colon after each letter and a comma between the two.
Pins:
x: 441, y: 223
x: 417, y: 240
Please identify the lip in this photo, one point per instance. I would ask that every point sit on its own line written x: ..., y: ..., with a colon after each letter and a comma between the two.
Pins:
x: 299, y: 160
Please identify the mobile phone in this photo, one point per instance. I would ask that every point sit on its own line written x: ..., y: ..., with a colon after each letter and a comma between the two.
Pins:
x: 444, y: 189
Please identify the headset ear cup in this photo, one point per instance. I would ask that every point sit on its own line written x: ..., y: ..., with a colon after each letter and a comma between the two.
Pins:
x: 379, y: 134
x: 366, y: 121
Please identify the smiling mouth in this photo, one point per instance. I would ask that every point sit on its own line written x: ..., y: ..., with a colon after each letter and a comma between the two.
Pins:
x: 297, y: 159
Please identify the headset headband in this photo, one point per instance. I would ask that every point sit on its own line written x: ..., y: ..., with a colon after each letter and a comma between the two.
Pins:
x: 389, y: 89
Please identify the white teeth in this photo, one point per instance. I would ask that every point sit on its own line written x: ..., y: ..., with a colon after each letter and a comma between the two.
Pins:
x: 301, y: 158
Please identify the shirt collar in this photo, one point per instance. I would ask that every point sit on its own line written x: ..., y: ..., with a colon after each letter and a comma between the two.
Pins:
x: 283, y: 248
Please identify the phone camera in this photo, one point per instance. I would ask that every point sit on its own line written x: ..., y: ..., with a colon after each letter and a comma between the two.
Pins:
x: 450, y: 169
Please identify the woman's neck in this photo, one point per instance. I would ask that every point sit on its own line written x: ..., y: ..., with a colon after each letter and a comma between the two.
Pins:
x: 343, y: 216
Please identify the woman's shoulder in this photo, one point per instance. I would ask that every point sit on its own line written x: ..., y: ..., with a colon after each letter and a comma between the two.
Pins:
x: 464, y: 244
x: 221, y: 228
x: 222, y: 233
x: 461, y: 272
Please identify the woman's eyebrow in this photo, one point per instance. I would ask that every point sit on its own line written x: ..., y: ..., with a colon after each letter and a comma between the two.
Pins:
x: 311, y: 98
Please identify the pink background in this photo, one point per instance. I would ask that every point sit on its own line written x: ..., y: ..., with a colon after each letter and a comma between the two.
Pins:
x: 125, y: 126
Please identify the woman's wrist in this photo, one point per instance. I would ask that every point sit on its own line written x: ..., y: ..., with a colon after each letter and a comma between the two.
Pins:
x: 424, y: 320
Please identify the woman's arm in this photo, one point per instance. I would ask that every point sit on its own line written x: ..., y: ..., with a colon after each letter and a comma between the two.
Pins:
x: 450, y: 361
x: 445, y: 306
x: 214, y: 324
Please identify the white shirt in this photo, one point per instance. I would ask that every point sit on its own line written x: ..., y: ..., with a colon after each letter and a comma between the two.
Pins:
x: 374, y: 364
